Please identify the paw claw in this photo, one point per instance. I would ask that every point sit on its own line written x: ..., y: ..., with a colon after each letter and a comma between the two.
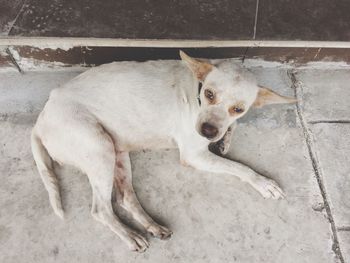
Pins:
x: 137, y: 242
x: 160, y: 232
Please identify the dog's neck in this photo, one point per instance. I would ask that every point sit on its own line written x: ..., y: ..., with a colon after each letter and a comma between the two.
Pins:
x: 188, y: 89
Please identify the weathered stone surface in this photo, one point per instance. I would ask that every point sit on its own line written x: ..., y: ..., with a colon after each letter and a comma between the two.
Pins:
x: 138, y: 19
x: 9, y: 10
x: 344, y: 240
x: 326, y: 93
x: 303, y: 20
x: 332, y: 143
x: 5, y: 60
x: 24, y: 95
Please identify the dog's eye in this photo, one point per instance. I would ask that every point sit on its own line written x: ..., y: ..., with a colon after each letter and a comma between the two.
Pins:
x: 236, y: 109
x: 209, y: 95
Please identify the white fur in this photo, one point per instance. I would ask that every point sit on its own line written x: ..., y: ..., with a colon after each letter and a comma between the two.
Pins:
x: 94, y: 120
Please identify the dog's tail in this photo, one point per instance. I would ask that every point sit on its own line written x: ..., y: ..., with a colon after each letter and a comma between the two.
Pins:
x: 44, y: 164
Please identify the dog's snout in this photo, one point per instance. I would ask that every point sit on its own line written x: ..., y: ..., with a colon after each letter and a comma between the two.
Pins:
x: 209, y: 130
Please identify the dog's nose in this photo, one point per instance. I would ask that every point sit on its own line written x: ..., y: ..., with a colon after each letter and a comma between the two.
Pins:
x: 209, y: 130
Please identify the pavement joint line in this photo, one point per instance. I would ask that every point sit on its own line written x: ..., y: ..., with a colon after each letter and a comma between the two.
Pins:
x: 330, y: 121
x: 13, y: 60
x: 297, y: 86
x: 343, y: 228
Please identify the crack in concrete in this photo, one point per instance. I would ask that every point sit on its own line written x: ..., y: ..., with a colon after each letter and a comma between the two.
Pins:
x: 256, y: 18
x: 343, y: 228
x: 244, y: 55
x: 17, y: 16
x: 13, y: 60
x: 330, y: 121
x: 297, y: 86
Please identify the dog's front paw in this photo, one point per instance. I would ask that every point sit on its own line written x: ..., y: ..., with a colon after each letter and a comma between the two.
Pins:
x: 219, y: 147
x: 268, y: 188
x: 159, y: 231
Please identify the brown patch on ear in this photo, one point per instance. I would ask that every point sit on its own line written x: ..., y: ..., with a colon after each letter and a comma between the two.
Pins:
x: 266, y: 96
x: 199, y: 68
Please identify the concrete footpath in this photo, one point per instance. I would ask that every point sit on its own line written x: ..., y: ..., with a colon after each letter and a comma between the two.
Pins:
x: 304, y: 147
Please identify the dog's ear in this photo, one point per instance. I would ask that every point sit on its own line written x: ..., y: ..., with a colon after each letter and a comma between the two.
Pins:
x: 199, y: 68
x: 266, y: 96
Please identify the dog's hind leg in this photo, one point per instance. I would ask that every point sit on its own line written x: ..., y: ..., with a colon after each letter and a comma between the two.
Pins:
x: 102, y: 211
x: 101, y: 173
x: 127, y: 199
x: 89, y: 147
x: 85, y: 144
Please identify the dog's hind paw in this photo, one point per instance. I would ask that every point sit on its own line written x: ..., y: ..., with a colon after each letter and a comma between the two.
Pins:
x: 160, y: 232
x: 136, y: 242
x: 268, y: 188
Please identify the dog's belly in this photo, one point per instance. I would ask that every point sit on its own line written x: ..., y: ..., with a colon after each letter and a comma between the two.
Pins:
x: 132, y: 132
x: 145, y: 143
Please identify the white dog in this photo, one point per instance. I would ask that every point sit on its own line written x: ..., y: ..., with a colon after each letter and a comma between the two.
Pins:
x: 96, y: 119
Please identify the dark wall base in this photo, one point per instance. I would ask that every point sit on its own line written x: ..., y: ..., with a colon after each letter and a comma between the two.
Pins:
x: 90, y: 56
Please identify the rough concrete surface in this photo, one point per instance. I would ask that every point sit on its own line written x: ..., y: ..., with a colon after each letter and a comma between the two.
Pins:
x: 326, y: 94
x: 215, y: 218
x: 333, y: 150
x: 344, y: 238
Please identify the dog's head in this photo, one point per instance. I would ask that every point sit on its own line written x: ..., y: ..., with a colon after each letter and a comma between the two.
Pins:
x: 226, y: 95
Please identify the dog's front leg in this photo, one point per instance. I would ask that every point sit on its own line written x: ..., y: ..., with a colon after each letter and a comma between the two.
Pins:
x: 206, y: 161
